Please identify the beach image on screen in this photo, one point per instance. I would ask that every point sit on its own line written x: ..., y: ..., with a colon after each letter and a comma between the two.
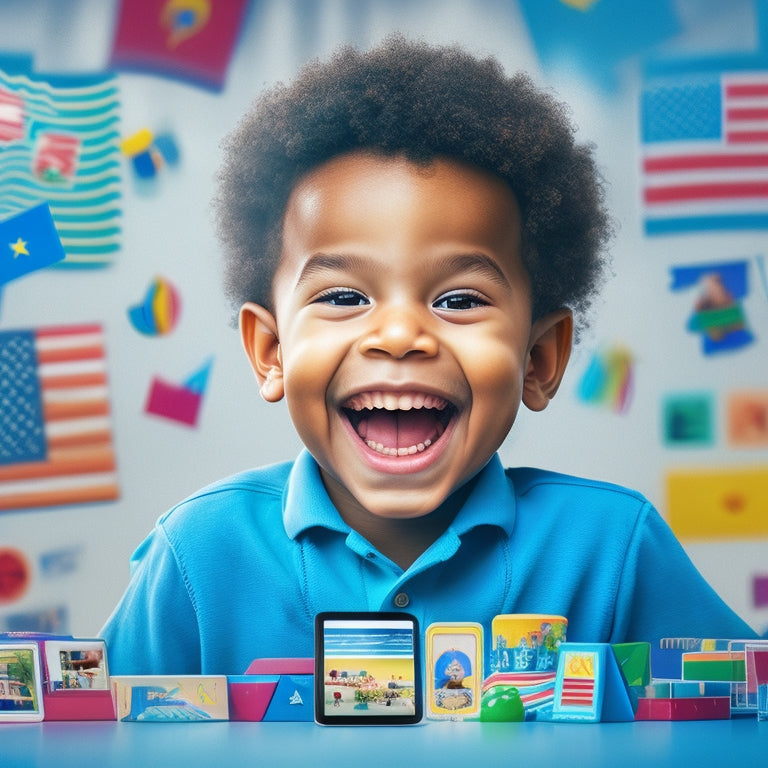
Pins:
x: 369, y: 668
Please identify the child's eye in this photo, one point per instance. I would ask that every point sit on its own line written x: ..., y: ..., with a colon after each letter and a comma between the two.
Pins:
x: 342, y: 297
x: 459, y: 300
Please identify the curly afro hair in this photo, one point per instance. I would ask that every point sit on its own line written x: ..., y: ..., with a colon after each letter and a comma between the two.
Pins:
x: 421, y: 102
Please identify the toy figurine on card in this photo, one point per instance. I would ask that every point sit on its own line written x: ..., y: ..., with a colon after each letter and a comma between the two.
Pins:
x: 454, y: 669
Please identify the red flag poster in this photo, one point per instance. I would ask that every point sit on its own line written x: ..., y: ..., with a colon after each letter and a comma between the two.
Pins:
x: 189, y: 39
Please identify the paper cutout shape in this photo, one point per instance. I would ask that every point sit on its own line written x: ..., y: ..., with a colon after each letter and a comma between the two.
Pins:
x: 59, y: 143
x: 760, y: 591
x: 61, y: 562
x: 158, y: 314
x: 718, y: 504
x: 747, y: 419
x: 28, y: 242
x: 14, y: 575
x: 149, y: 153
x: 11, y: 116
x: 761, y: 269
x: 189, y: 39
x: 589, y: 686
x: 705, y: 165
x: 595, y: 37
x: 718, y: 315
x: 179, y: 402
x: 608, y: 379
x: 688, y: 420
x: 55, y: 431
x: 53, y: 620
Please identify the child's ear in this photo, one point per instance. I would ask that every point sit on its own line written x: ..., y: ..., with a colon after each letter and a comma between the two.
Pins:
x: 548, y: 354
x: 258, y: 332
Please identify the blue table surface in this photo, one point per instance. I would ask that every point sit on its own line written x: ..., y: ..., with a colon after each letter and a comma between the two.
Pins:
x: 740, y: 741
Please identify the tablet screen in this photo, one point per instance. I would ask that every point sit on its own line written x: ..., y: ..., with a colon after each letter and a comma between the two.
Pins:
x: 367, y: 669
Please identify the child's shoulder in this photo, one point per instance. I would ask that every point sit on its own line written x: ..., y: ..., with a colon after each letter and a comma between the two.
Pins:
x: 244, y: 490
x: 529, y: 480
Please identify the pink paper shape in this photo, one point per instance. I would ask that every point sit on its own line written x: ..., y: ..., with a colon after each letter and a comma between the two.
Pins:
x: 760, y: 591
x: 173, y: 401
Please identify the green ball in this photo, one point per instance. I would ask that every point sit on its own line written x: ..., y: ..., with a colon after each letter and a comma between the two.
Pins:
x: 502, y: 704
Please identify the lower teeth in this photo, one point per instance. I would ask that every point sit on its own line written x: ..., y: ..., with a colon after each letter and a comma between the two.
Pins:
x: 379, y: 448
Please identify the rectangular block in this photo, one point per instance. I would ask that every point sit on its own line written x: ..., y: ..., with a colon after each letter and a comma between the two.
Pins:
x: 79, y: 705
x: 701, y: 708
x: 181, y: 698
x: 720, y: 666
x: 675, y: 689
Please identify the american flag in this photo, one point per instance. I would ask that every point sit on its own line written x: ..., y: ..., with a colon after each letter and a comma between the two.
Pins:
x: 705, y: 153
x: 55, y: 428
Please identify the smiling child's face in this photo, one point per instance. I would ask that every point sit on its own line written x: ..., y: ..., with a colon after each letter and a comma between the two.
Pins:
x: 401, y: 336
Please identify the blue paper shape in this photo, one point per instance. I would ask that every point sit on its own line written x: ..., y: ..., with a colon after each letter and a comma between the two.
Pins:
x: 599, y: 36
x: 198, y: 381
x: 293, y: 700
x: 28, y: 242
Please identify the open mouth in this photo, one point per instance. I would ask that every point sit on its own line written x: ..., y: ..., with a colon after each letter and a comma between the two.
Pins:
x: 398, y: 423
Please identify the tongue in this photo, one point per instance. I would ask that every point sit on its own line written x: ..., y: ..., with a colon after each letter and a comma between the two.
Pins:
x: 399, y: 429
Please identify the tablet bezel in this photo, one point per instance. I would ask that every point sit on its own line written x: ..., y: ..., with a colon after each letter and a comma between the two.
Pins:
x: 364, y: 718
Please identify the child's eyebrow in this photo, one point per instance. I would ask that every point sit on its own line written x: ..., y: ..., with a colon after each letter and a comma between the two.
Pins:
x: 476, y: 263
x: 331, y: 262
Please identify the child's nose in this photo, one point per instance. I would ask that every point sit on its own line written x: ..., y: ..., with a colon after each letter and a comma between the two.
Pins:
x: 399, y: 331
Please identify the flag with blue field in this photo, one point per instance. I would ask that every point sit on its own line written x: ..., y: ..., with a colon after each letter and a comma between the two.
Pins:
x: 32, y: 243
x: 705, y: 152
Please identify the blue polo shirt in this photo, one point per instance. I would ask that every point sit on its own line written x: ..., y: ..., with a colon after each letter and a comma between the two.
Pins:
x: 239, y: 570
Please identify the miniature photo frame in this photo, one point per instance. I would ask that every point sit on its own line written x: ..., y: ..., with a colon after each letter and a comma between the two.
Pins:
x: 21, y: 689
x: 76, y: 665
x: 454, y: 670
x: 367, y: 669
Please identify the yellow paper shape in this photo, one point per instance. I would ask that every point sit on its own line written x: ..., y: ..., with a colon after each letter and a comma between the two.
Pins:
x: 718, y: 504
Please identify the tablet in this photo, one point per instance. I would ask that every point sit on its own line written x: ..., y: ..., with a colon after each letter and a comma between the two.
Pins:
x: 367, y: 669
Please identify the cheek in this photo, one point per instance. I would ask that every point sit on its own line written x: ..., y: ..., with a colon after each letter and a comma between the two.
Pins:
x: 494, y: 367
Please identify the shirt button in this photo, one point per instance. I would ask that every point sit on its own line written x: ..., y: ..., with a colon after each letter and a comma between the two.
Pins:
x: 401, y: 600
x: 370, y: 555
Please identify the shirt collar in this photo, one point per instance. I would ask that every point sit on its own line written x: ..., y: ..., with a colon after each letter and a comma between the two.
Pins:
x: 492, y: 501
x: 306, y: 503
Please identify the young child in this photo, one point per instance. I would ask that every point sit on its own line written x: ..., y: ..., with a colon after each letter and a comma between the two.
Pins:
x: 408, y: 233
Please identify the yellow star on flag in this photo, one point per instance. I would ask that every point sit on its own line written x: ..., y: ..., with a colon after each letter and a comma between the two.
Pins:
x: 19, y: 248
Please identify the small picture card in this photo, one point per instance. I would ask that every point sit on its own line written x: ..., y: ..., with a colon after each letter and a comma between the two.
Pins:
x: 21, y: 694
x: 76, y: 665
x: 454, y: 670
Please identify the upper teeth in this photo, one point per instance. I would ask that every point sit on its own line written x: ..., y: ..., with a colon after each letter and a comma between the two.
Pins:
x: 395, y: 401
